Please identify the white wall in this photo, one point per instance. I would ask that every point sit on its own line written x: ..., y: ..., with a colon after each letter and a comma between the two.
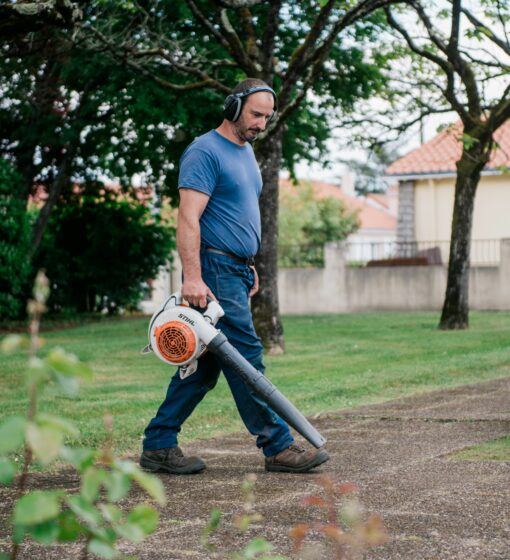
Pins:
x: 337, y: 287
x: 433, y: 201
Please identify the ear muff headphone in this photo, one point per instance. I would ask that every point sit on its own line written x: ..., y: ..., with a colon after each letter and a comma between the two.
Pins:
x: 234, y: 102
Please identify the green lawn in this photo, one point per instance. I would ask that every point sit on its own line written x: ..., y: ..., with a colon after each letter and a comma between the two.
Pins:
x: 494, y: 450
x: 332, y: 362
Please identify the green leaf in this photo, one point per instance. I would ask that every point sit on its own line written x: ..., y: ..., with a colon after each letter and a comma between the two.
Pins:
x: 45, y: 442
x: 84, y: 510
x: 37, y: 371
x: 18, y: 533
x: 69, y: 527
x: 102, y: 549
x: 256, y: 546
x: 80, y: 458
x: 104, y: 534
x: 13, y: 342
x: 4, y: 556
x: 130, y: 531
x: 70, y: 385
x: 145, y: 516
x: 8, y: 471
x: 117, y: 485
x: 140, y: 522
x: 45, y: 533
x: 37, y: 507
x: 469, y: 141
x: 12, y: 434
x: 214, y: 520
x: 150, y: 483
x: 57, y: 422
x: 91, y: 483
x: 68, y: 364
x: 111, y: 513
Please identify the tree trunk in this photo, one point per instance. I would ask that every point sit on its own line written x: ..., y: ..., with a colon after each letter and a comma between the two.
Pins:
x: 58, y: 183
x: 455, y: 314
x: 265, y: 305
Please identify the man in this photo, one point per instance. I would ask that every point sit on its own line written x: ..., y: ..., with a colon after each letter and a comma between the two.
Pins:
x: 218, y: 233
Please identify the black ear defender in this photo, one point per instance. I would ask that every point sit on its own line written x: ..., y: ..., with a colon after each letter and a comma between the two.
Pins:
x: 234, y: 102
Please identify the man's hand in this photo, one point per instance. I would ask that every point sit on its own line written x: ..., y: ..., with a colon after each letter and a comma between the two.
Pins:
x: 255, y: 287
x: 195, y: 292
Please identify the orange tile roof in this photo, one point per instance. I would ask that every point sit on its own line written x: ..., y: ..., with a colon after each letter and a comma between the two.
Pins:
x: 440, y: 154
x: 369, y: 217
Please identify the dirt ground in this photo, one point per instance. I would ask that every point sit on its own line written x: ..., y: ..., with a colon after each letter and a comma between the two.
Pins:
x: 433, y: 507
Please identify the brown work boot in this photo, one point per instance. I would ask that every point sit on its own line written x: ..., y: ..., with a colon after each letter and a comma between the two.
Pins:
x: 170, y: 460
x: 296, y: 459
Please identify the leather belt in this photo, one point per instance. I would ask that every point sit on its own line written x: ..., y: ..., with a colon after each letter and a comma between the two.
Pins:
x: 248, y: 261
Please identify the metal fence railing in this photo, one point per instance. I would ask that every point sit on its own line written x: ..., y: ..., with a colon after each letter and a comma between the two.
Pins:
x: 484, y: 252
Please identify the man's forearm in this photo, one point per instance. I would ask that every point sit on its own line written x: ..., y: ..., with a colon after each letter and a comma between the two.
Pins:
x: 188, y: 246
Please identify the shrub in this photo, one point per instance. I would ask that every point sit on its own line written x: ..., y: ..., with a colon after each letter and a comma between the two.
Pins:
x: 306, y: 223
x: 50, y: 516
x: 14, y: 244
x: 100, y: 249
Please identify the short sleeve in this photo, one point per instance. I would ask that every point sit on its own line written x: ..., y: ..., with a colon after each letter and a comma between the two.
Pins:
x: 198, y: 170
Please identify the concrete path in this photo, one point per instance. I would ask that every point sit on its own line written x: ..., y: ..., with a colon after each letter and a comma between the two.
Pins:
x: 433, y: 507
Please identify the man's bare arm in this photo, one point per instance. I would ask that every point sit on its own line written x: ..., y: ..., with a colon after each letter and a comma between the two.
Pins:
x: 191, y: 206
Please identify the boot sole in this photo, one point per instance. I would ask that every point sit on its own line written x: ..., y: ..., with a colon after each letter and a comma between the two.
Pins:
x: 321, y: 458
x: 154, y: 467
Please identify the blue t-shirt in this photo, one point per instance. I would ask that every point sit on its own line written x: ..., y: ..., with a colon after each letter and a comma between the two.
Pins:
x: 230, y: 175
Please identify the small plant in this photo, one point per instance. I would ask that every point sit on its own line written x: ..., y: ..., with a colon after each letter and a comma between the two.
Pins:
x: 256, y: 549
x: 50, y: 516
x: 346, y: 531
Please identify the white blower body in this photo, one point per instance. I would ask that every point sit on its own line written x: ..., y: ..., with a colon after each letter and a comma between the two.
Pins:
x: 179, y: 335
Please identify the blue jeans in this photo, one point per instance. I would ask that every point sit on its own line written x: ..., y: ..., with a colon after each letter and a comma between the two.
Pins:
x: 230, y: 281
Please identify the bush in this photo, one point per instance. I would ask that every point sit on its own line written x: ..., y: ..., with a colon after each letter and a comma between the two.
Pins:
x: 14, y: 245
x: 306, y: 223
x: 99, y: 249
x: 92, y: 517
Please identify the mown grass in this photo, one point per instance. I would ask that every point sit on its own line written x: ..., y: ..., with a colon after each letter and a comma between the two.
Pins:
x: 494, y: 450
x: 331, y: 362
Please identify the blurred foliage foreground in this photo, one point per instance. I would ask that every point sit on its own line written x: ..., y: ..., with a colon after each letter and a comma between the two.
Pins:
x: 94, y: 518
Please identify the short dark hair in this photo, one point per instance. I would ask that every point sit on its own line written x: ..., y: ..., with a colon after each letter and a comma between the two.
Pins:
x: 247, y: 84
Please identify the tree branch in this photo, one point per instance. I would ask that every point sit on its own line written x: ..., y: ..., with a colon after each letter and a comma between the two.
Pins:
x: 24, y: 17
x: 489, y: 33
x: 206, y: 82
x: 127, y: 55
x: 235, y: 46
x: 269, y: 39
x: 239, y: 3
x: 501, y: 112
x: 208, y: 26
x: 246, y: 19
x: 298, y: 59
x: 445, y: 65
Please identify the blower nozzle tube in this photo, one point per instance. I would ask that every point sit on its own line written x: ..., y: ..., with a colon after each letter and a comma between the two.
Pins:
x: 222, y: 348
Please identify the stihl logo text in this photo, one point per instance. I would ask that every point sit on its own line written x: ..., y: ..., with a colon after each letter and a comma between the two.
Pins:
x: 186, y: 319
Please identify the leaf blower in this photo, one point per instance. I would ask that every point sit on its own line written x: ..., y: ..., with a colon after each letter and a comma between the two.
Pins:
x: 179, y: 335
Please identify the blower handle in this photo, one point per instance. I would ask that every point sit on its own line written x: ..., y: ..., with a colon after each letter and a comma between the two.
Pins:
x: 212, y: 312
x: 261, y: 385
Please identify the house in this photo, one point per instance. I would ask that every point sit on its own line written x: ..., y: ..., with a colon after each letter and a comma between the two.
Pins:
x: 426, y: 179
x: 377, y: 215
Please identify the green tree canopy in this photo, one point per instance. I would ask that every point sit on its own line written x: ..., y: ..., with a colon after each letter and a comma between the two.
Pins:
x: 307, y: 222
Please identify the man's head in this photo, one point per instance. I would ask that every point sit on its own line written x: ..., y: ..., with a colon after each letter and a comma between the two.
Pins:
x: 249, y: 108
